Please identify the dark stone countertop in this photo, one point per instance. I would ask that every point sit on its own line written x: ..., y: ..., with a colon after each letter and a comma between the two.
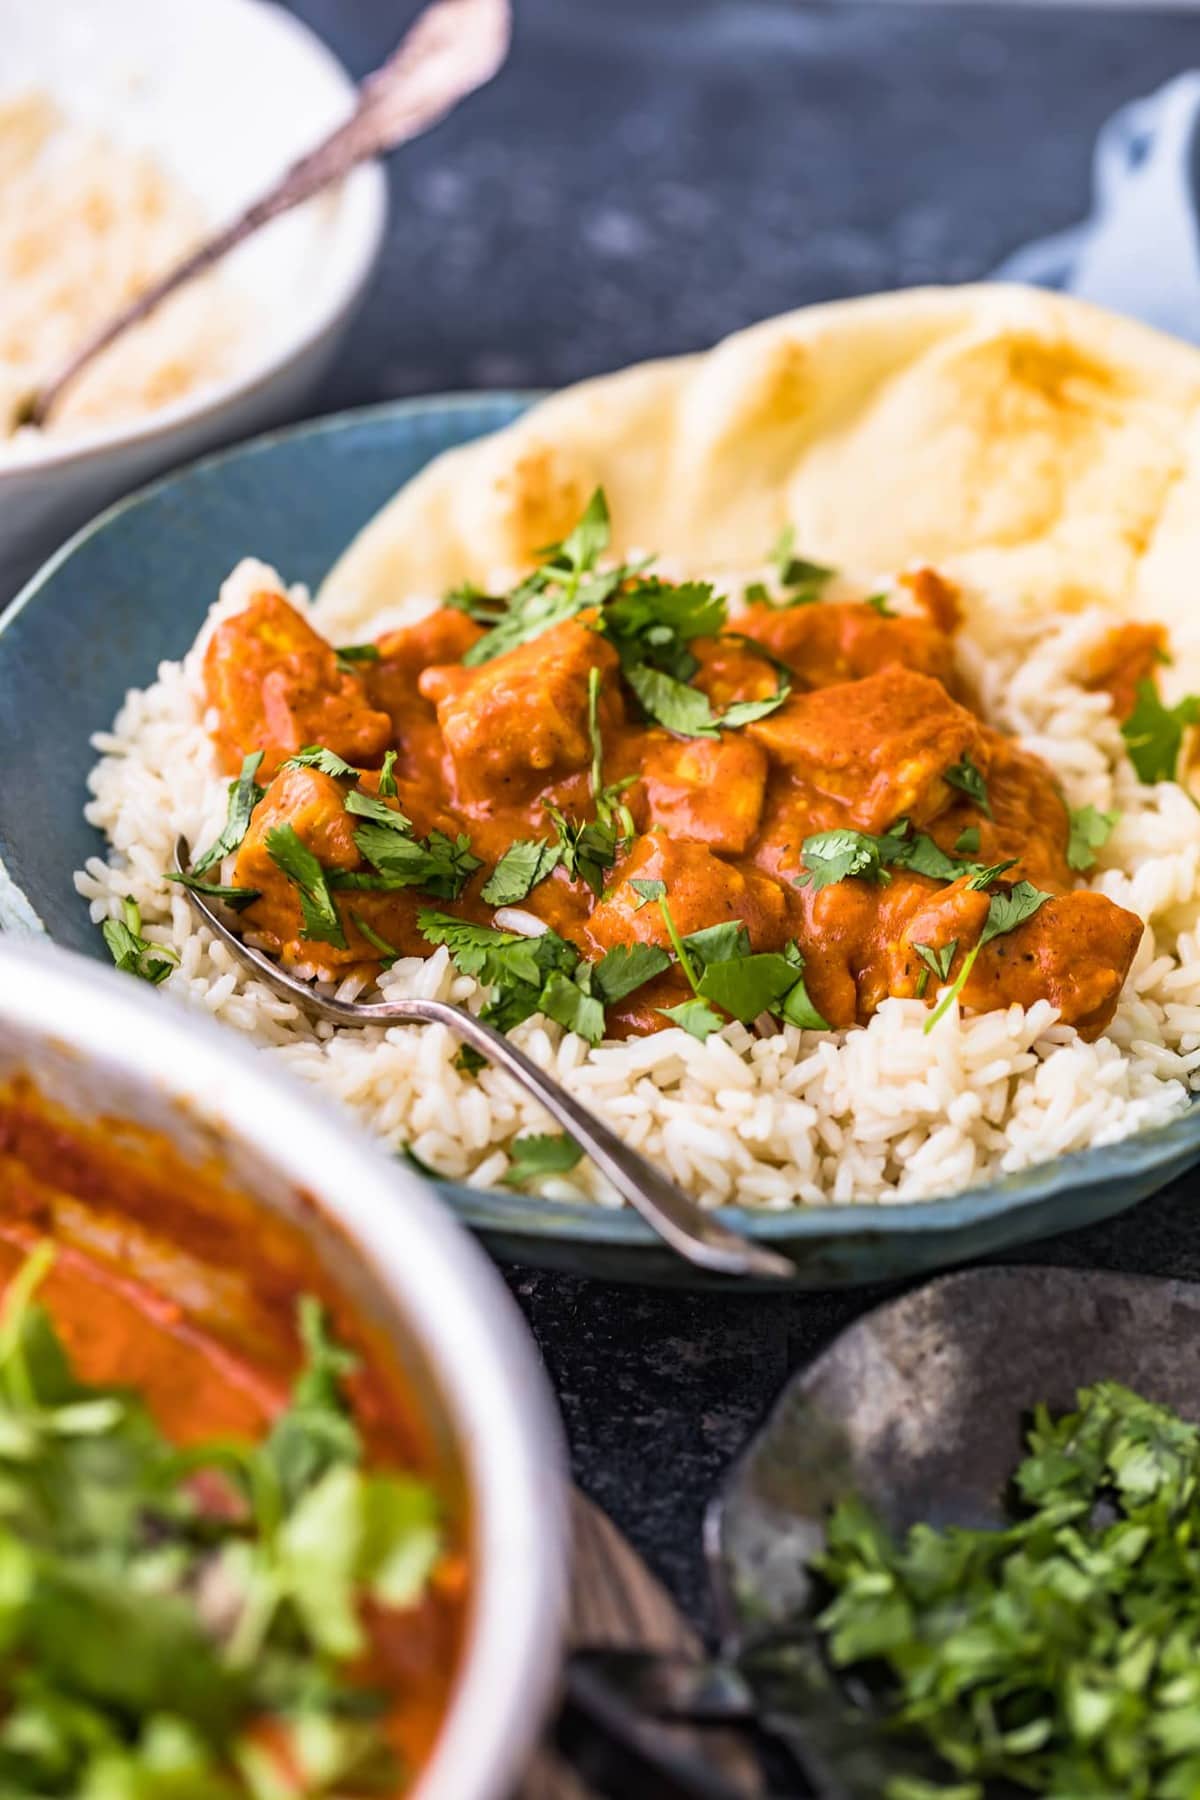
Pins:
x: 647, y: 175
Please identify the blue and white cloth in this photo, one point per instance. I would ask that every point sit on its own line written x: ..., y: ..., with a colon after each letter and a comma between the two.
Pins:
x: 1139, y: 251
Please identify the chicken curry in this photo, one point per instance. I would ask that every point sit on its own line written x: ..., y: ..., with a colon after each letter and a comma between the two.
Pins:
x: 624, y: 805
x: 232, y: 1566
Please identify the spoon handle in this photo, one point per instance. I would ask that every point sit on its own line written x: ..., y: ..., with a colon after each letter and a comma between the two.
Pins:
x: 454, y: 47
x: 696, y: 1235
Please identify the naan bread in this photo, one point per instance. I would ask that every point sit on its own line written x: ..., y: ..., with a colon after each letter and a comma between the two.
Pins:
x: 1023, y: 443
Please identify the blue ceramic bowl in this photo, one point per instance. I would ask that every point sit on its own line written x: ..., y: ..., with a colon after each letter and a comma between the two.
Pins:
x: 133, y: 587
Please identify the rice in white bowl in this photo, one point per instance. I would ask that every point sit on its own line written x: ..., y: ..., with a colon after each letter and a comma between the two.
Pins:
x: 881, y: 1113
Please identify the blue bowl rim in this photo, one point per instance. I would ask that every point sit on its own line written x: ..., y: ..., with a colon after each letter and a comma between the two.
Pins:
x: 1168, y: 1147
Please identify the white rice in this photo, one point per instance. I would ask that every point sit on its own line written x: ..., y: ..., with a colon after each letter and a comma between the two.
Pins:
x: 883, y: 1113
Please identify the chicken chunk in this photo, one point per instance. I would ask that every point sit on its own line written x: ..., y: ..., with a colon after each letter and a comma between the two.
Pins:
x: 314, y: 806
x: 880, y: 746
x: 276, y: 686
x: 514, y: 725
x: 707, y: 789
x: 843, y: 641
x: 1075, y: 951
x: 701, y: 889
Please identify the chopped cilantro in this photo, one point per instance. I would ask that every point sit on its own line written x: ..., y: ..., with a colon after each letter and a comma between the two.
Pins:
x: 920, y: 854
x: 587, y: 851
x: 366, y: 806
x: 967, y: 841
x: 746, y: 986
x: 938, y: 957
x: 647, y: 891
x: 969, y: 781
x: 1054, y: 1655
x: 244, y: 796
x: 131, y: 952
x: 803, y: 578
x: 1153, y: 732
x: 526, y: 862
x: 1089, y: 830
x: 123, y: 1678
x: 830, y: 856
x: 438, y: 865
x: 566, y: 583
x: 316, y: 756
x: 695, y: 1016
x: 387, y: 952
x: 982, y: 878
x: 526, y: 975
x: 755, y: 594
x: 879, y: 603
x: 348, y: 656
x: 538, y: 1154
x: 235, y: 897
x: 626, y: 968
x: 1006, y: 911
x: 321, y: 922
x: 564, y: 1000
x: 387, y: 780
x: 685, y: 711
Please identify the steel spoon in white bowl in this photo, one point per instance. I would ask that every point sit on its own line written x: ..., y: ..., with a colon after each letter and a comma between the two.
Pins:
x: 454, y: 47
x: 692, y: 1233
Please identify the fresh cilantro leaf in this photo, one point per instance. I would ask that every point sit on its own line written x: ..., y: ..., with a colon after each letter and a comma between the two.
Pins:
x: 797, y: 1007
x: 796, y: 571
x: 983, y: 877
x: 937, y: 957
x: 387, y: 780
x: 1153, y: 732
x: 321, y: 922
x: 647, y: 891
x: 755, y: 594
x: 349, y: 656
x: 475, y: 947
x: 919, y: 853
x: 879, y: 604
x: 526, y: 862
x: 745, y: 712
x: 562, y: 1000
x: 235, y: 897
x: 438, y: 865
x: 652, y: 621
x: 746, y: 986
x: 244, y: 796
x: 685, y: 711
x: 626, y: 968
x: 366, y: 806
x: 969, y: 781
x: 967, y: 841
x: 316, y: 756
x: 695, y: 1017
x: 716, y: 943
x: 133, y: 953
x: 830, y: 856
x: 1006, y: 910
x: 583, y: 546
x: 1089, y: 830
x: 387, y: 952
x: 588, y: 851
x: 538, y: 1154
x: 485, y: 609
x: 566, y: 583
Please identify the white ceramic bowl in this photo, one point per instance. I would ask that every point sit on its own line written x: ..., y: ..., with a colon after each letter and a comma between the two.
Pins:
x: 223, y: 93
x: 107, y: 1047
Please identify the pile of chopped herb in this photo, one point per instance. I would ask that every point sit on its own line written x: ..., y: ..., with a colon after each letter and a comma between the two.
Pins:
x: 145, y: 1637
x: 1059, y: 1655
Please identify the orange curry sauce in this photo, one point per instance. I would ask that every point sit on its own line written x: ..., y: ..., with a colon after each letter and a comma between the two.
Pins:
x: 205, y: 1332
x: 877, y: 715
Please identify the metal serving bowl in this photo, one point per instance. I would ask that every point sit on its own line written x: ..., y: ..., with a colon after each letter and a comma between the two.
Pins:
x: 114, y: 1053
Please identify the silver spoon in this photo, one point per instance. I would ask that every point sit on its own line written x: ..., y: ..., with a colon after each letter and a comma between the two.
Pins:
x: 698, y: 1237
x: 454, y: 47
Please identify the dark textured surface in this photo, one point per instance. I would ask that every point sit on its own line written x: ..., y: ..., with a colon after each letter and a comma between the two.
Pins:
x: 647, y: 175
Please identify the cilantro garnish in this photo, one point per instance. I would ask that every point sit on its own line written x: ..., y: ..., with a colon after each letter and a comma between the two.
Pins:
x: 969, y: 781
x: 244, y: 796
x: 695, y: 1016
x: 1057, y: 1654
x: 1153, y: 732
x: 647, y: 891
x: 684, y: 710
x: 366, y: 806
x: 348, y: 656
x: 526, y: 862
x: 830, y: 856
x: 626, y: 968
x: 879, y: 603
x: 387, y: 952
x: 803, y: 579
x: 1006, y: 911
x: 316, y: 756
x: 321, y: 922
x: 565, y: 583
x: 387, y: 780
x: 121, y: 1675
x: 721, y: 968
x: 1090, y: 829
x: 587, y: 851
x: 438, y: 865
x: 526, y: 975
x: 131, y: 952
x: 967, y: 841
x: 235, y: 897
x: 538, y: 1154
